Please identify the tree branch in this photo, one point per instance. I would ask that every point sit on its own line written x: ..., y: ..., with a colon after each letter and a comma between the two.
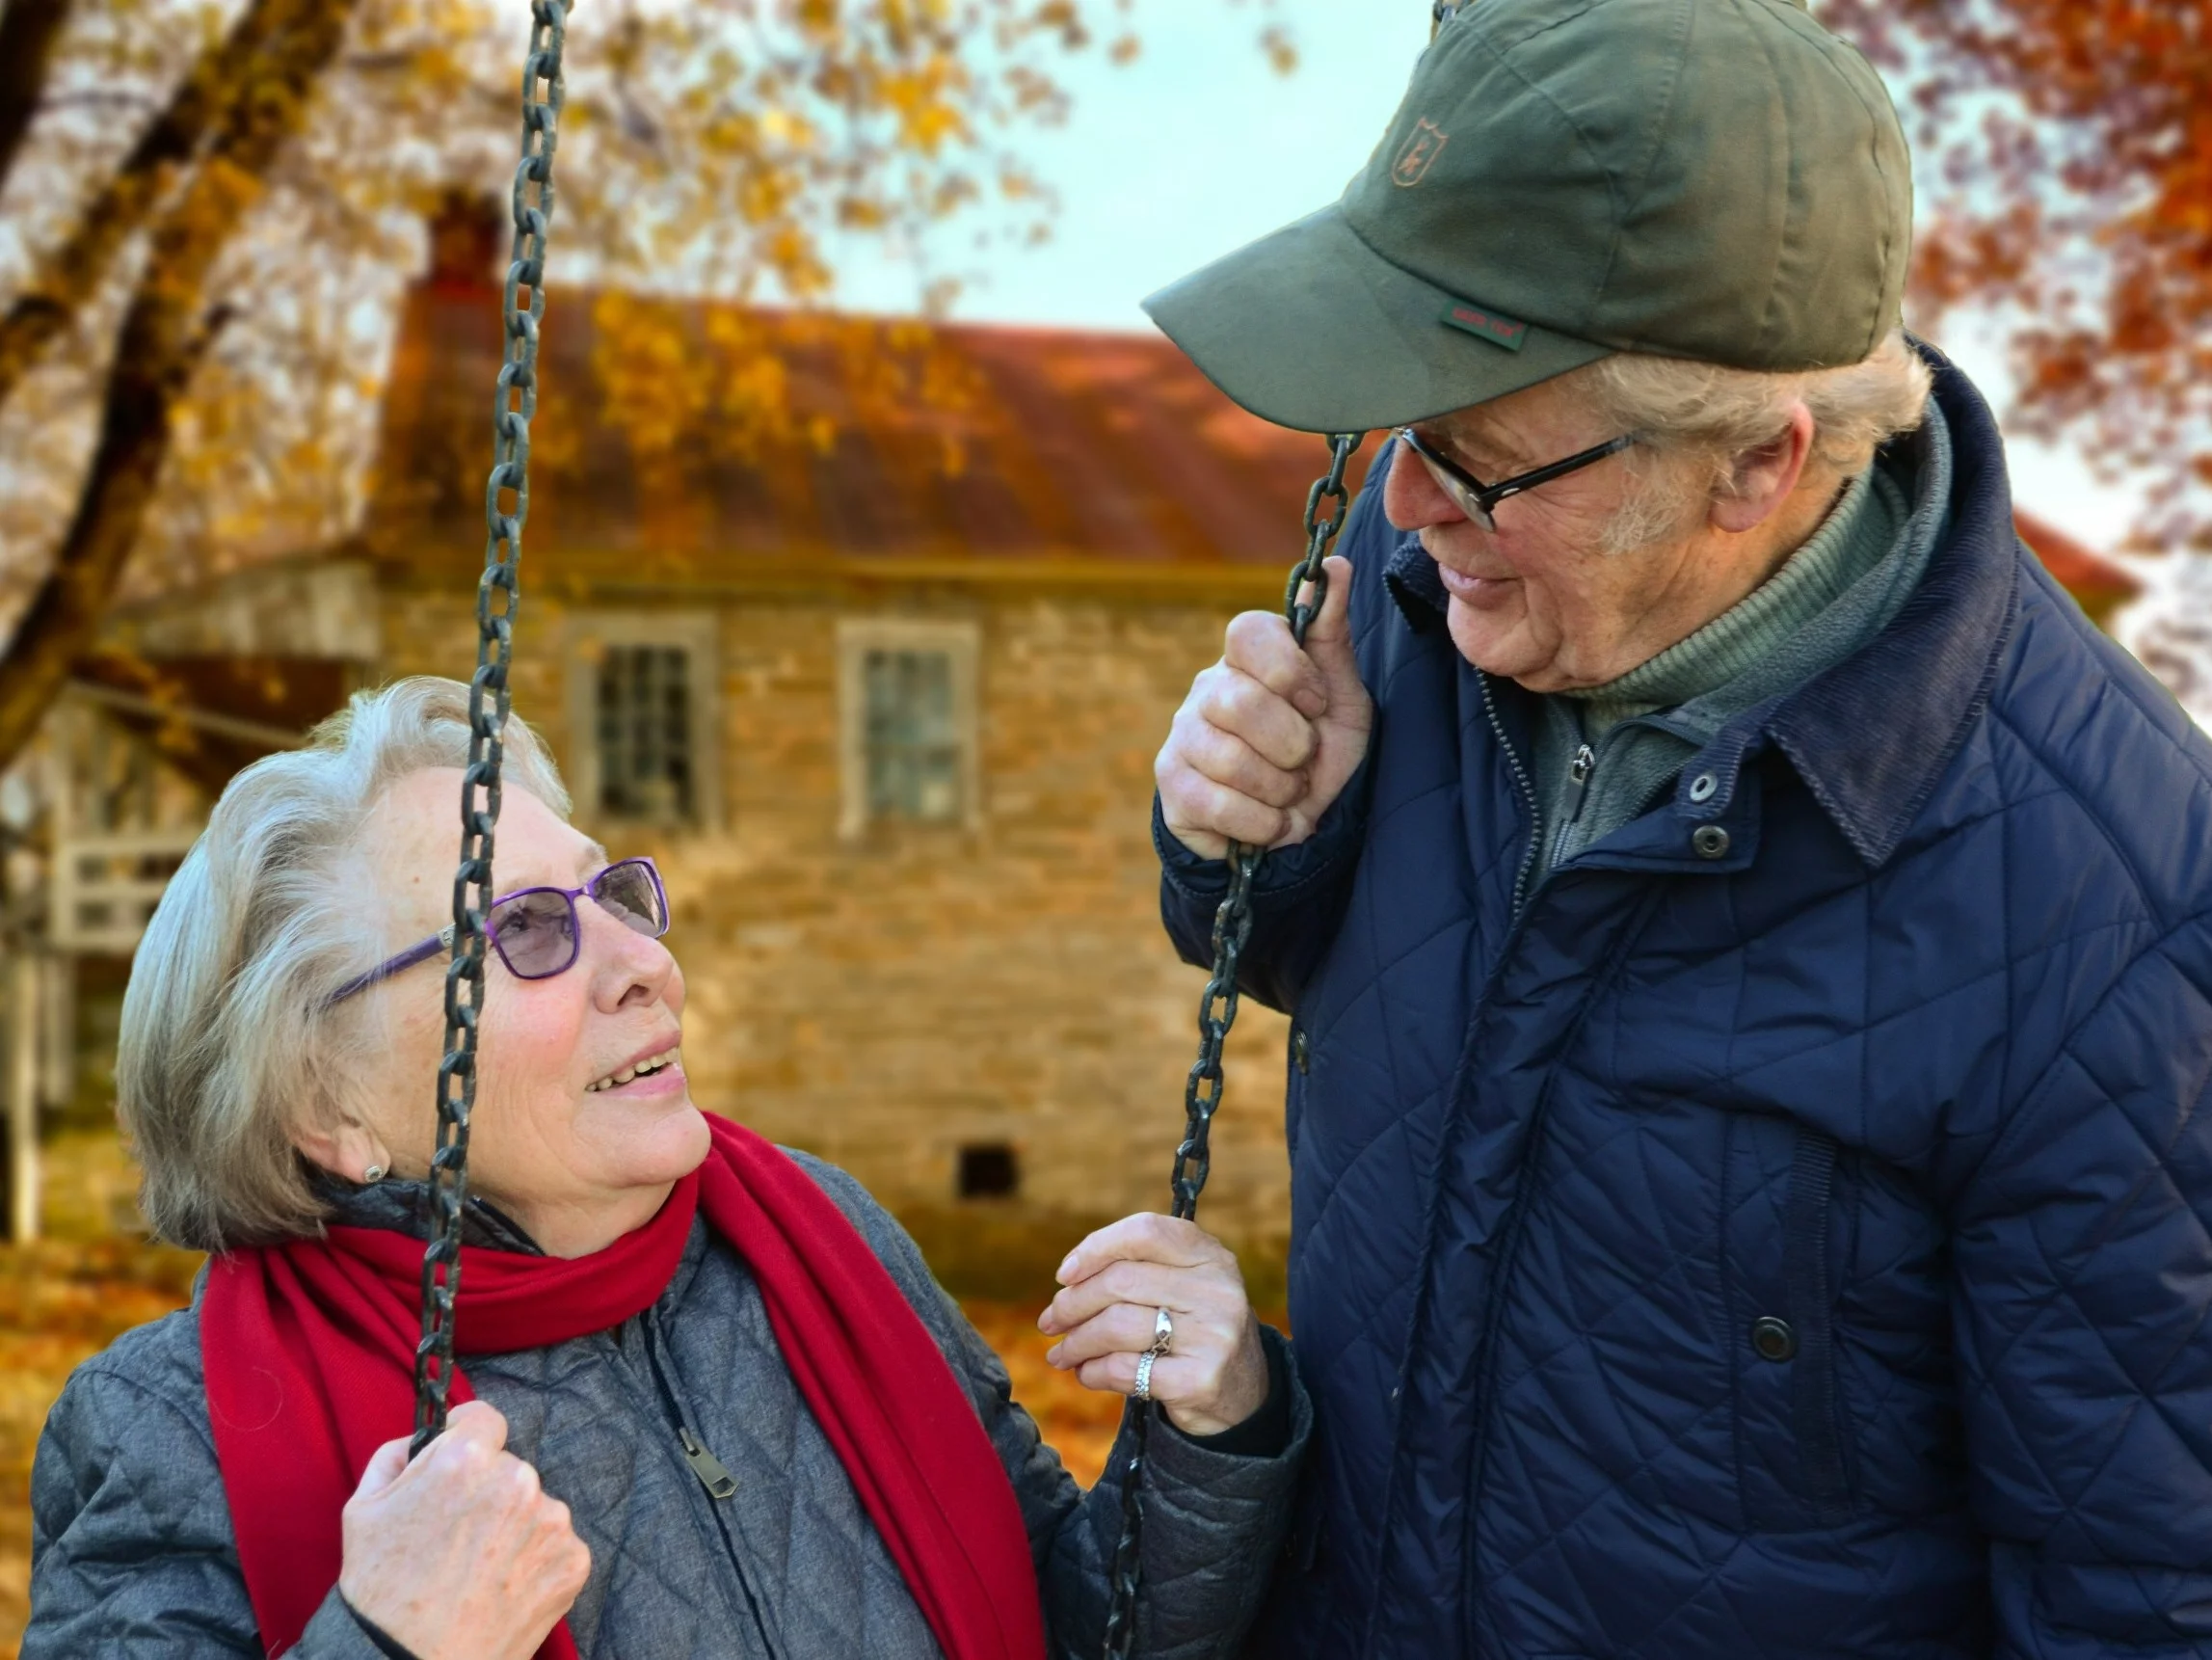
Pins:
x: 28, y: 30
x: 69, y: 274
x: 164, y: 336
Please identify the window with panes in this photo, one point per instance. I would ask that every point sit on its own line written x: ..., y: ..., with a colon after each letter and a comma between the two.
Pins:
x: 911, y: 732
x: 646, y: 715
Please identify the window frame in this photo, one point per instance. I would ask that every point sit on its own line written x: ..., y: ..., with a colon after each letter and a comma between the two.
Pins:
x: 699, y: 634
x: 959, y: 640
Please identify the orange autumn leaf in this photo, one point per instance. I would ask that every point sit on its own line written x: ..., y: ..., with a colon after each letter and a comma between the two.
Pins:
x: 2068, y: 144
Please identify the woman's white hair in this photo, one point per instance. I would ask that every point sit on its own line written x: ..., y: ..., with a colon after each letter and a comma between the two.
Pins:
x: 1699, y: 420
x: 226, y: 1042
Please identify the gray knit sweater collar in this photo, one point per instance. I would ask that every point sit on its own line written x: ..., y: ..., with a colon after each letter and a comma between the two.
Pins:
x: 1840, y: 590
x: 1856, y: 538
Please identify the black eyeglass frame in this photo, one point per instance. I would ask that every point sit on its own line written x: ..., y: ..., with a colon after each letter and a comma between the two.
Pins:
x: 1479, y: 501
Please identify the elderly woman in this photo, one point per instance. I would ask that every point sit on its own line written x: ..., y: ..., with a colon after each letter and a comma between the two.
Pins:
x: 714, y: 1403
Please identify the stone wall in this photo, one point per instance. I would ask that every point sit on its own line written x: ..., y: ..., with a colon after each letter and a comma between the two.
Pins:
x: 889, y: 1000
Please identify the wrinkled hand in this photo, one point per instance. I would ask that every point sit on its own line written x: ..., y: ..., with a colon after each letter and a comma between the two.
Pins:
x: 1270, y: 735
x: 461, y: 1555
x: 1117, y: 1280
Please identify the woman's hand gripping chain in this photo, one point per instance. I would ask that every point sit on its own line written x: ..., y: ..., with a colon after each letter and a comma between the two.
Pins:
x: 1155, y: 1308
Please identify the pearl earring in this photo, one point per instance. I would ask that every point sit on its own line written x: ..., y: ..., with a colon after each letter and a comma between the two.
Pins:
x: 374, y: 1173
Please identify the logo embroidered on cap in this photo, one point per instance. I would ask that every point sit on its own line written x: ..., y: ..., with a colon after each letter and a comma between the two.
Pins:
x: 1497, y: 330
x: 1419, y: 154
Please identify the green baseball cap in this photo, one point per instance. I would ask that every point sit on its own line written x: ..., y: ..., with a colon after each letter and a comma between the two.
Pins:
x: 1716, y: 179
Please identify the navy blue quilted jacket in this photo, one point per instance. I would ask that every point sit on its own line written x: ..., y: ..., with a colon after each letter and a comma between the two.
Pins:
x: 1793, y: 1241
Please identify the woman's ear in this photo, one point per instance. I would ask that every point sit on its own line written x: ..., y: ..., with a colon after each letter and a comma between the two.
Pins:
x: 344, y: 1146
x: 1766, y: 477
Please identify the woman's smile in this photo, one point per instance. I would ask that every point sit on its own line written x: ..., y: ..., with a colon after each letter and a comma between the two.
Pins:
x: 659, y: 1072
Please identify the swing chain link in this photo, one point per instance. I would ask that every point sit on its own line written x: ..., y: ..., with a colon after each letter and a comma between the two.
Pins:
x: 497, y: 595
x: 1305, y: 593
x: 1327, y: 505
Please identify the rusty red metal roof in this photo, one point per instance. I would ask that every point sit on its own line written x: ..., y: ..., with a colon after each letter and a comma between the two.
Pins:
x: 2100, y: 585
x: 758, y: 438
x: 690, y: 440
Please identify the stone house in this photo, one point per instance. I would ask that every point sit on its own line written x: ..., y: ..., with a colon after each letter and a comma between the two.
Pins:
x: 869, y: 634
x: 877, y: 678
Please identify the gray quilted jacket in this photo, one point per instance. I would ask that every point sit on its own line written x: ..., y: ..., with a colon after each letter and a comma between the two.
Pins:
x: 132, y: 1551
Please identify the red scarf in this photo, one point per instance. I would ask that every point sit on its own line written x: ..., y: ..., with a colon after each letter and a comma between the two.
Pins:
x: 309, y: 1355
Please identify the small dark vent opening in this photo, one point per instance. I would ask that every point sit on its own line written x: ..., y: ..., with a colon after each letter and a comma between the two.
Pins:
x: 989, y: 1172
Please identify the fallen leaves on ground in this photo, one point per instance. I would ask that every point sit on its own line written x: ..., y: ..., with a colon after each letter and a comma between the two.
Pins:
x: 1079, y: 1424
x: 61, y: 1304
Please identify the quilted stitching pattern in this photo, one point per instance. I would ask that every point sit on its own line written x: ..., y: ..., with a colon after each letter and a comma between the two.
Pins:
x: 133, y: 1552
x: 1542, y: 1166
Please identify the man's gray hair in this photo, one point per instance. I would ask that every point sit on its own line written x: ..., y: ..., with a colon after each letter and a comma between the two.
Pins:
x: 226, y: 1042
x: 1699, y: 419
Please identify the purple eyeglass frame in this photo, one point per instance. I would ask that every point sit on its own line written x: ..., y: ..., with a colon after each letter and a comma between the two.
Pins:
x: 442, y: 940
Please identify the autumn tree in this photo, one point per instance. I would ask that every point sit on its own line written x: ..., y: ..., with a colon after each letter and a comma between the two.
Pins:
x: 198, y: 197
x: 2069, y: 146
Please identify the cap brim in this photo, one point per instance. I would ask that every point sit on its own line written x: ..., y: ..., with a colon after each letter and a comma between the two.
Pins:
x: 1312, y: 329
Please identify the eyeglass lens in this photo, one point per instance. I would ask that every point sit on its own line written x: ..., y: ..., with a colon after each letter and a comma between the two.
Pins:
x: 536, y: 932
x: 536, y: 929
x: 1461, y: 498
x: 1466, y: 500
x: 628, y: 893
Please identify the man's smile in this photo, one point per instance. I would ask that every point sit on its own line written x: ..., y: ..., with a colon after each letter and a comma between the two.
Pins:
x: 1475, y: 590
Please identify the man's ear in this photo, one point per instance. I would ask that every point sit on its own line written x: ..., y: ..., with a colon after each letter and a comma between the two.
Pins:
x: 1766, y: 477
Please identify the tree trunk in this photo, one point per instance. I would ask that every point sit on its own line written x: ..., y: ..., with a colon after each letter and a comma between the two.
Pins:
x: 163, y: 337
x: 28, y: 30
x: 66, y: 278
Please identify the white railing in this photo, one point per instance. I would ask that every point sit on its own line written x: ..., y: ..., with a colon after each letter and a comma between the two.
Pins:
x: 103, y: 888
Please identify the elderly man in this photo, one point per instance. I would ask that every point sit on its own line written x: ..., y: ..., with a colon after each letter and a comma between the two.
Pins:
x: 1750, y: 1094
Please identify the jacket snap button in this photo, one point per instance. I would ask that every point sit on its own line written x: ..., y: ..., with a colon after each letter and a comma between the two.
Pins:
x: 1710, y: 842
x: 1774, y: 1339
x: 1703, y: 787
x: 1301, y: 1053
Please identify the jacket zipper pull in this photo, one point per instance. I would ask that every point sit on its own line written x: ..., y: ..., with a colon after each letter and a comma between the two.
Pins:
x: 1579, y: 775
x: 713, y: 1475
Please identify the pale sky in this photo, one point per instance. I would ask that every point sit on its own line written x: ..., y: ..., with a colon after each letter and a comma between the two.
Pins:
x: 1200, y: 146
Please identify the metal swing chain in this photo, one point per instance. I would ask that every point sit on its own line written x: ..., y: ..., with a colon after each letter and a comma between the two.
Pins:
x: 1216, y: 1014
x: 497, y: 595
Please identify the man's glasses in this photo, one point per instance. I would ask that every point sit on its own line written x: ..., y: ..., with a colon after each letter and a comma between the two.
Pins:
x: 535, y: 930
x: 1476, y: 500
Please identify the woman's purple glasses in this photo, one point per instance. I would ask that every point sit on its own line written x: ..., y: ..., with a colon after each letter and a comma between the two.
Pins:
x: 535, y: 930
